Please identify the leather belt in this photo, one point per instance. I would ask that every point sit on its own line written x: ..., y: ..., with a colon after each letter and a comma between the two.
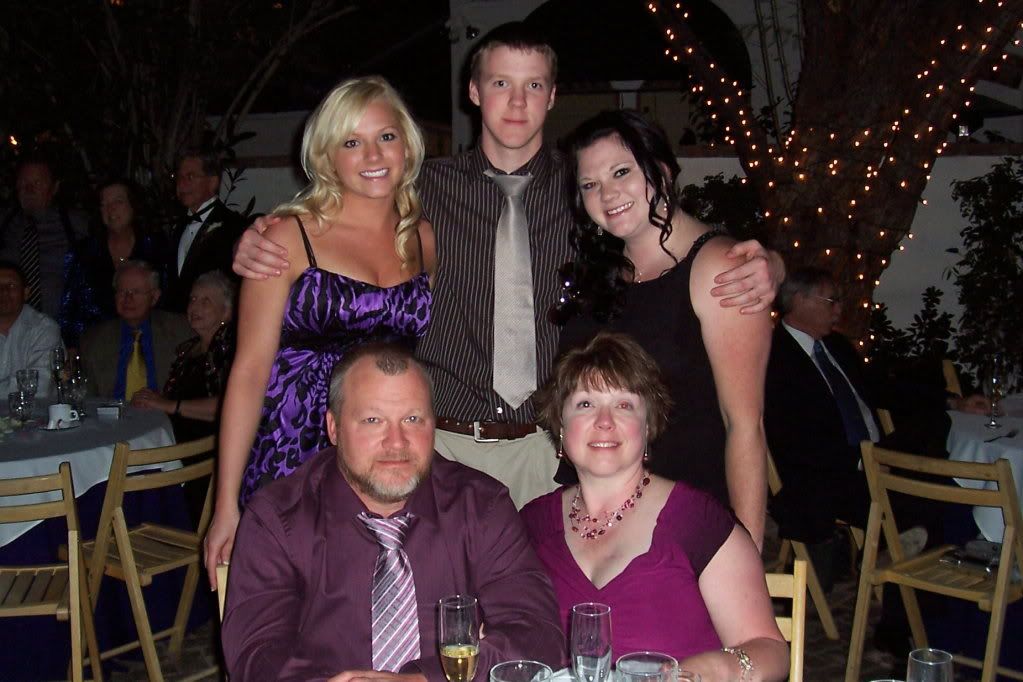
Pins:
x: 486, y: 432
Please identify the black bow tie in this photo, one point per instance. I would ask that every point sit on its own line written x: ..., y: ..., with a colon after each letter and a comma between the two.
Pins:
x: 198, y: 216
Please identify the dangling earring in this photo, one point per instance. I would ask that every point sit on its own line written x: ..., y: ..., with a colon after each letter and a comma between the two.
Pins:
x: 600, y: 231
x: 561, y: 446
x: 646, y: 455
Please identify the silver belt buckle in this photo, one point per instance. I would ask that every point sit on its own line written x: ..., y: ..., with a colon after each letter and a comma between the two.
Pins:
x: 477, y: 437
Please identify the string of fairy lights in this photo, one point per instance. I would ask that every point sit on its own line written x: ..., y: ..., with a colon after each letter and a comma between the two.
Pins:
x: 870, y: 150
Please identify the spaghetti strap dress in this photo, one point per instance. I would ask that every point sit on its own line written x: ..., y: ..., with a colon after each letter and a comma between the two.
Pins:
x: 326, y: 316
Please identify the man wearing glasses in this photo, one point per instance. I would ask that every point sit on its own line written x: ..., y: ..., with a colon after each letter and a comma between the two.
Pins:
x: 135, y: 350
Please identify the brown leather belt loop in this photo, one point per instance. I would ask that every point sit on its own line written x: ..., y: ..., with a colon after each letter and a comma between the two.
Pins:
x: 486, y: 432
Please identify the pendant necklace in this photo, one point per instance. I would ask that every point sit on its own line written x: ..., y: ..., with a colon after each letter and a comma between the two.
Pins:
x: 590, y: 528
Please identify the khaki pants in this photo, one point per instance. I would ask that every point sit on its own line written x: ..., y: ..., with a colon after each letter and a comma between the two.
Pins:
x: 526, y: 465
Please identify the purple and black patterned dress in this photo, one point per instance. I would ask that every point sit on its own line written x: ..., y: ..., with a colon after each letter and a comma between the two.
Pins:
x: 327, y: 314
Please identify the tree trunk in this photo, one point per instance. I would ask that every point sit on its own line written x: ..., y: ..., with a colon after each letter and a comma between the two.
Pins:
x: 880, y: 85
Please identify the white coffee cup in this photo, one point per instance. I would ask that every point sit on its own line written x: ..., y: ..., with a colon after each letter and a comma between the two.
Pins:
x: 61, y: 416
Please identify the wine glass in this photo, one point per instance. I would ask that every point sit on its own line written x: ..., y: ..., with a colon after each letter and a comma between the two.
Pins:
x: 994, y: 386
x: 591, y: 642
x: 20, y: 406
x: 648, y: 666
x: 77, y: 389
x: 459, y: 639
x: 929, y: 665
x: 28, y: 381
x: 520, y: 671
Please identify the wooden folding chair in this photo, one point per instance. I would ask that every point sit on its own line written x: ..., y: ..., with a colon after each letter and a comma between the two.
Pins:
x: 137, y: 554
x: 991, y: 591
x: 884, y: 420
x: 222, y: 571
x: 793, y: 628
x: 59, y: 590
x: 788, y: 547
x: 952, y: 384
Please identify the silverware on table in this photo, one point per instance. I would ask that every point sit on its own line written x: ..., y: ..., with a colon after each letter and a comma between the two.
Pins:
x: 1011, y: 434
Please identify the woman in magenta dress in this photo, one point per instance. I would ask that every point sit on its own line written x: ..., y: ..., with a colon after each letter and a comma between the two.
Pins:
x: 680, y: 574
x: 362, y: 273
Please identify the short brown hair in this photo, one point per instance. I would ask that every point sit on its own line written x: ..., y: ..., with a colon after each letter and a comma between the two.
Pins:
x: 514, y: 35
x: 391, y: 358
x: 609, y: 361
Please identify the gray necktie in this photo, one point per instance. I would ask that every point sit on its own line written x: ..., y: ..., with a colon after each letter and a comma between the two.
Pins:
x: 514, y: 323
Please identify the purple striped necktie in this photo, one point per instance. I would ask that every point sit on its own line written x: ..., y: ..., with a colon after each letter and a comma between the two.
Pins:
x: 395, y: 625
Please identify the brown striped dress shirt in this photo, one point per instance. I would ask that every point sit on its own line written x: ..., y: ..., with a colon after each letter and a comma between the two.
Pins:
x: 464, y: 206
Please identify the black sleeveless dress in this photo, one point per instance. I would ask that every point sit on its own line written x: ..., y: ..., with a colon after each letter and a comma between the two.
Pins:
x: 659, y: 315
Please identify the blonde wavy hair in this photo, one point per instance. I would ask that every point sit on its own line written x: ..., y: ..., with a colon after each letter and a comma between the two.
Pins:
x: 328, y: 127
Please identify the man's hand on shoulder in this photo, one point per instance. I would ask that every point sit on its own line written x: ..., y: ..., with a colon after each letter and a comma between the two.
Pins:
x: 376, y: 676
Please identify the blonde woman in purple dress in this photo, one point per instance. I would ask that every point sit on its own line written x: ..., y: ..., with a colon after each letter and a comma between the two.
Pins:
x: 365, y: 256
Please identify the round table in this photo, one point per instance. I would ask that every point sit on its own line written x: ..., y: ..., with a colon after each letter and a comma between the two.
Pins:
x: 968, y: 441
x: 89, y: 448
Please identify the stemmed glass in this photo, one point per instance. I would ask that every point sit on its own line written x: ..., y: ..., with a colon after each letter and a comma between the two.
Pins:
x: 994, y: 386
x: 28, y: 381
x: 649, y: 666
x: 58, y: 362
x: 591, y: 642
x: 929, y: 665
x: 459, y: 637
x: 20, y: 406
x: 520, y: 671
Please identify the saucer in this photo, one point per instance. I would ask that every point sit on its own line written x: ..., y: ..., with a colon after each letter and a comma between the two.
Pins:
x: 70, y: 425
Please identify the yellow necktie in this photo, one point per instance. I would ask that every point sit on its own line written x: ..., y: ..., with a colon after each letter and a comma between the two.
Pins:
x: 135, y: 373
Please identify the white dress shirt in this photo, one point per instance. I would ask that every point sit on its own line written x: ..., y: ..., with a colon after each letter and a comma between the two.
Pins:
x: 27, y: 345
x: 191, y: 230
x: 806, y: 342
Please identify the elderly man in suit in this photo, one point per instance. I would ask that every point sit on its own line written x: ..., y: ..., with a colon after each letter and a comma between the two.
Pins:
x: 205, y: 239
x: 135, y: 350
x: 816, y: 412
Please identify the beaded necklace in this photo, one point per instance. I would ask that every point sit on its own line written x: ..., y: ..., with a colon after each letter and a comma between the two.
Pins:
x: 590, y: 528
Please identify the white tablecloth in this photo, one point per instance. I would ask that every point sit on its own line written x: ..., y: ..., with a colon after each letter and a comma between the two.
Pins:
x: 966, y: 444
x: 89, y: 448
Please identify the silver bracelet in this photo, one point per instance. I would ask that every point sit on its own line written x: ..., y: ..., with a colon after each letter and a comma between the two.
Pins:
x: 745, y: 663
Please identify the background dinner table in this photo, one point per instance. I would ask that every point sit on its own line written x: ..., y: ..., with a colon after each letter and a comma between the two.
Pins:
x: 39, y: 648
x: 969, y: 440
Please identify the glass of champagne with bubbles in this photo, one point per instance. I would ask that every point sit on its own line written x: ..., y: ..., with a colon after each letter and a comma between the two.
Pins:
x: 459, y: 639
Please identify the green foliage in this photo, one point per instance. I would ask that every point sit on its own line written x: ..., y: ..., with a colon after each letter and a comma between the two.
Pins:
x: 989, y: 273
x: 731, y: 204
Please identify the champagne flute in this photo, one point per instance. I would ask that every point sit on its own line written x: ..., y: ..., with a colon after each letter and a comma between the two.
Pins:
x: 929, y: 665
x: 459, y: 639
x: 591, y: 642
x: 58, y: 362
x: 994, y: 385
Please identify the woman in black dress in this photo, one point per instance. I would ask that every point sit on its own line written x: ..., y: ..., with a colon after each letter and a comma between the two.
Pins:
x: 645, y: 268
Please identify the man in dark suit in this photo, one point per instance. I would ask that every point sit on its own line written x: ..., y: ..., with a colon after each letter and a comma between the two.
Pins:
x: 205, y: 239
x: 135, y: 350
x: 816, y: 412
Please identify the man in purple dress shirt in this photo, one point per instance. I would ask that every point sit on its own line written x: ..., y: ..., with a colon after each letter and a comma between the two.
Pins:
x: 302, y: 594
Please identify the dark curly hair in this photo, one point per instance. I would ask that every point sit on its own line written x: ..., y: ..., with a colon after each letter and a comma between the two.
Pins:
x: 594, y: 283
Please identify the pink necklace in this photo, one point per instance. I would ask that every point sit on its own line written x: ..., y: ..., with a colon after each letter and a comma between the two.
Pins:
x: 590, y: 528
